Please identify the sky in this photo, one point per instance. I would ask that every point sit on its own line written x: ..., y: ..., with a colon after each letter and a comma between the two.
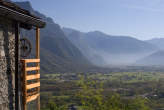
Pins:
x: 142, y: 19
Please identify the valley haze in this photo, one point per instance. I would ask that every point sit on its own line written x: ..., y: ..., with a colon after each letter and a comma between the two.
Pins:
x: 109, y: 50
x: 77, y: 51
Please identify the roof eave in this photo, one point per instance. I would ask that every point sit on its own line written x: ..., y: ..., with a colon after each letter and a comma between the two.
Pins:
x: 22, y: 18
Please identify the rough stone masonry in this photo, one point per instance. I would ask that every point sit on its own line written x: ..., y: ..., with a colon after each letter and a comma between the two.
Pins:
x: 7, y: 64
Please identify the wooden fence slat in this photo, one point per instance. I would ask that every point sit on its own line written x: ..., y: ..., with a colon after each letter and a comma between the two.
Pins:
x: 30, y: 86
x: 32, y: 93
x: 32, y: 68
x: 31, y: 60
x: 31, y: 98
x: 32, y: 77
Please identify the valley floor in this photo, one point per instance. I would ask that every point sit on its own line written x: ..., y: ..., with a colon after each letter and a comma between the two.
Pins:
x: 62, y: 90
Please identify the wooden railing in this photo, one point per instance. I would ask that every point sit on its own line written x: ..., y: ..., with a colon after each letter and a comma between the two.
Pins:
x: 31, y: 81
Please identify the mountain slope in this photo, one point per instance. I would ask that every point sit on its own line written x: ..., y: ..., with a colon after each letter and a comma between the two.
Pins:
x: 158, y: 42
x: 156, y: 58
x: 58, y: 54
x: 119, y: 44
x: 115, y: 50
x: 77, y: 38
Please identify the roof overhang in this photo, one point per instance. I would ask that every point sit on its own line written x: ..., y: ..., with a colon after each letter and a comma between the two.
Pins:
x: 26, y: 21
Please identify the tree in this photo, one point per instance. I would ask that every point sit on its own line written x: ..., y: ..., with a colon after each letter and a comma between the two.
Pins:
x: 91, y: 98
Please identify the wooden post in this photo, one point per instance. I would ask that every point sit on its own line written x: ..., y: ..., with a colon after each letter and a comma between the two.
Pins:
x: 38, y: 64
x: 24, y: 85
x: 37, y: 43
x: 17, y: 29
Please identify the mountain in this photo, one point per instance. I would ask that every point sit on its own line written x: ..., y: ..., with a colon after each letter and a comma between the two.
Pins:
x: 158, y: 42
x: 119, y: 44
x: 76, y: 37
x: 156, y: 58
x: 58, y: 54
x: 115, y: 50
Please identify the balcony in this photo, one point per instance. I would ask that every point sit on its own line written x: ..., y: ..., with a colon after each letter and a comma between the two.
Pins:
x: 31, y: 81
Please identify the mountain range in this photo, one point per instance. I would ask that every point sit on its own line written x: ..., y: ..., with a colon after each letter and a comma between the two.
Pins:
x: 69, y: 50
x: 108, y: 49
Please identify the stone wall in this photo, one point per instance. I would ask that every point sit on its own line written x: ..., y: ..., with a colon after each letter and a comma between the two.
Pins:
x: 7, y: 64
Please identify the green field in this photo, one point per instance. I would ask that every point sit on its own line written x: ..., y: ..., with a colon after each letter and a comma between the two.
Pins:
x: 62, y: 89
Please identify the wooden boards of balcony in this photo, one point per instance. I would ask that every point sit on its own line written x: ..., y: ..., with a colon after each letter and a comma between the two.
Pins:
x: 32, y: 77
x: 34, y: 85
x: 31, y: 60
x: 33, y: 97
x: 31, y: 82
x: 32, y: 68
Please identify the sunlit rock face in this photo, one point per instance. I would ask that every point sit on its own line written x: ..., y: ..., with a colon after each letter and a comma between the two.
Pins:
x: 7, y: 64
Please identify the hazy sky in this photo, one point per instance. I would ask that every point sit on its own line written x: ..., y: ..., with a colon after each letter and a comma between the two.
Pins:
x: 143, y: 19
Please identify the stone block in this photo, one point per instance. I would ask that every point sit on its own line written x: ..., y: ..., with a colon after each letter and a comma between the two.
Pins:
x: 1, y: 42
x: 2, y: 53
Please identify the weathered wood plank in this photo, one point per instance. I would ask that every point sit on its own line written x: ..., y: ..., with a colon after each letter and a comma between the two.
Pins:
x: 31, y: 77
x: 31, y: 60
x: 32, y: 93
x: 32, y: 68
x: 31, y: 98
x: 34, y: 85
